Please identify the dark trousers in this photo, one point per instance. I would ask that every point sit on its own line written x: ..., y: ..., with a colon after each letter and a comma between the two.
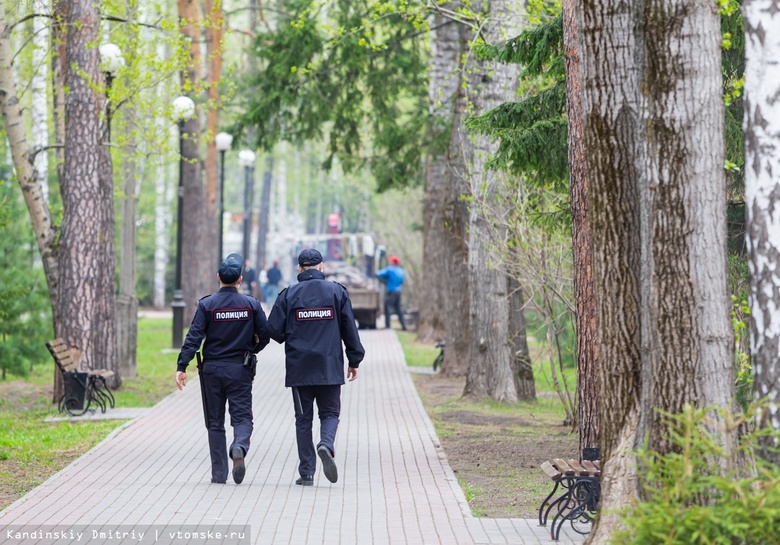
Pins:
x: 393, y: 303
x: 231, y: 383
x: 328, y: 408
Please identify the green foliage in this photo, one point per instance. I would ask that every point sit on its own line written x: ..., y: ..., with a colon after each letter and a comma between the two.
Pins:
x: 532, y: 132
x: 693, y: 498
x: 733, y: 67
x: 740, y: 313
x: 25, y: 312
x: 356, y: 77
x: 532, y: 136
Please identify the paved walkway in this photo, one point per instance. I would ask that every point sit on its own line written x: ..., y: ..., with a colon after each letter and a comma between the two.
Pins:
x: 151, y: 477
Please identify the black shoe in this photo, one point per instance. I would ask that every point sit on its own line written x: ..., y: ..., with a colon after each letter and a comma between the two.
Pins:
x: 306, y: 480
x: 328, y: 465
x: 215, y: 481
x: 239, y: 469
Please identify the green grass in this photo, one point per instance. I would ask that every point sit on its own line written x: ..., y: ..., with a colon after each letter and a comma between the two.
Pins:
x: 32, y: 450
x: 417, y: 354
x: 156, y: 369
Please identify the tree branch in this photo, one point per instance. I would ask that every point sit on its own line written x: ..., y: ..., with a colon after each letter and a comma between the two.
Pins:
x: 37, y: 149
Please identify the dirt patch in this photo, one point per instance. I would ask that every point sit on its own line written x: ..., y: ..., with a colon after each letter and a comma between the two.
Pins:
x: 22, y: 396
x: 495, y: 453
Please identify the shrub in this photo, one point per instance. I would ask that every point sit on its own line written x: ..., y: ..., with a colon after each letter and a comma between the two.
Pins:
x: 691, y: 497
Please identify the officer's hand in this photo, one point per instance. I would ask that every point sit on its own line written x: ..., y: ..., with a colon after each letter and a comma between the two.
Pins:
x: 181, y: 379
x: 352, y: 373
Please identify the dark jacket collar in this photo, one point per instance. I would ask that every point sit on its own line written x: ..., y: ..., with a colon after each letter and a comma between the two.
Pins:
x: 229, y: 288
x: 310, y: 274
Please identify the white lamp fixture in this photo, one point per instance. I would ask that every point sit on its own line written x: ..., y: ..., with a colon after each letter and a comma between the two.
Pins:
x: 111, y: 59
x: 224, y: 140
x: 183, y: 109
x: 246, y: 157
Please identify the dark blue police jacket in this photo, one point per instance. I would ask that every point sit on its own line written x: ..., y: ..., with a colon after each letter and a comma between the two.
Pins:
x: 228, y: 320
x: 312, y: 318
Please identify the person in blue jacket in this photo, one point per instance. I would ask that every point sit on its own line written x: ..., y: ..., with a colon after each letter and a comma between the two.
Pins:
x: 313, y: 318
x: 394, y: 277
x: 233, y: 324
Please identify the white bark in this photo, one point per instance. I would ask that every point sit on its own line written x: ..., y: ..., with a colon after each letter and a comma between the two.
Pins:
x: 762, y: 195
x: 17, y: 141
x: 163, y: 219
x: 40, y: 108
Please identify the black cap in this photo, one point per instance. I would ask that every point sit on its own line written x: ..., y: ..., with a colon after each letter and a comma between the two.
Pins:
x: 309, y: 257
x: 230, y: 269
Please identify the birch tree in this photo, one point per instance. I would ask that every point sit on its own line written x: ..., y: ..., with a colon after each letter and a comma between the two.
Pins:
x: 653, y: 113
x: 40, y: 102
x: 762, y: 198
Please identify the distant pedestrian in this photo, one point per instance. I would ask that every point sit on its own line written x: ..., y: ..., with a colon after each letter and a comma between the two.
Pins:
x: 234, y: 328
x: 312, y: 318
x: 274, y: 277
x: 249, y: 283
x: 394, y: 277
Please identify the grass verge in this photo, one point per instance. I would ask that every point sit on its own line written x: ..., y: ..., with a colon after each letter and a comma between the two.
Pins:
x: 32, y: 450
x: 494, y: 449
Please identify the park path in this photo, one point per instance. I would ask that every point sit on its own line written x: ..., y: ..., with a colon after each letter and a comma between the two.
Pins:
x: 151, y: 476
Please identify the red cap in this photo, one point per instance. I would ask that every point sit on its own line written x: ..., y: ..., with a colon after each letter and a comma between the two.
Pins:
x: 394, y: 260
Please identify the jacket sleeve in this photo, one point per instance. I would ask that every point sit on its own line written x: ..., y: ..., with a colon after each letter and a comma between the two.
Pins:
x: 349, y: 333
x: 277, y: 320
x: 261, y: 329
x: 194, y: 338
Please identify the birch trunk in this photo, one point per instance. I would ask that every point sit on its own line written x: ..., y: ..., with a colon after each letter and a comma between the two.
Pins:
x: 31, y: 187
x: 40, y: 104
x: 762, y: 198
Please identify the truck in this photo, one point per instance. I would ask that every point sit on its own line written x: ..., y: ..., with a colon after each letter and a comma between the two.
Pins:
x: 350, y: 259
x: 364, y: 293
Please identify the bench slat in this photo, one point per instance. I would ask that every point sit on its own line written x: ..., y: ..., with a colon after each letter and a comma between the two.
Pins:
x: 551, y: 472
x: 563, y: 467
x: 590, y: 466
x: 63, y: 357
x: 581, y: 471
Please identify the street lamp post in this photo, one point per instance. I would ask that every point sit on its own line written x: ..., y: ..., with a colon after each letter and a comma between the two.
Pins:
x: 183, y: 109
x: 247, y: 159
x: 111, y: 60
x: 224, y: 140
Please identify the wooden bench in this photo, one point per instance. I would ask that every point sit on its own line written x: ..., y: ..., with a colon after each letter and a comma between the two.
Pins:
x: 81, y: 388
x: 575, y: 496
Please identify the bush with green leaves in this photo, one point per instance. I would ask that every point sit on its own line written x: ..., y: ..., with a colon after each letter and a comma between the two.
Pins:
x: 25, y: 313
x: 692, y: 497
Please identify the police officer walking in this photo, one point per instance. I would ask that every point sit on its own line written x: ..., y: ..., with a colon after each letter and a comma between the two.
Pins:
x: 313, y: 318
x: 234, y: 326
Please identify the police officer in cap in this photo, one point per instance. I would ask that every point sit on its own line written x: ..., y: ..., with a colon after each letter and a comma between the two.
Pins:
x: 313, y: 318
x: 234, y: 326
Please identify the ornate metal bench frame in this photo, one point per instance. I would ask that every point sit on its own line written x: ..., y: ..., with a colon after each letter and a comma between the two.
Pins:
x: 94, y: 381
x: 579, y: 486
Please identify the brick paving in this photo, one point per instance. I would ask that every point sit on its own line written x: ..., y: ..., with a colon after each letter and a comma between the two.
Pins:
x: 152, y: 475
